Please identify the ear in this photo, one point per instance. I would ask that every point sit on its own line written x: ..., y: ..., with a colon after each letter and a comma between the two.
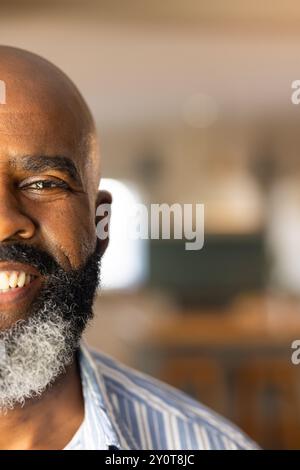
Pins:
x: 103, y: 208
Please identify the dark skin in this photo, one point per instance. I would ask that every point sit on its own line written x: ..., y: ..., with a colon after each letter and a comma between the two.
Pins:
x: 49, y: 179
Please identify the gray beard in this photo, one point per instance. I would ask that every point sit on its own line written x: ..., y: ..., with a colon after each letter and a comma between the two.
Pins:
x: 35, y: 351
x: 33, y: 354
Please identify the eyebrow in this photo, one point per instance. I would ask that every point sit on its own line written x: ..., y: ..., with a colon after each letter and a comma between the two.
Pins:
x: 40, y: 163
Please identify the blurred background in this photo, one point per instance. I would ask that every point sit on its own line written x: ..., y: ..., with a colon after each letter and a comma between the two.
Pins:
x: 192, y: 101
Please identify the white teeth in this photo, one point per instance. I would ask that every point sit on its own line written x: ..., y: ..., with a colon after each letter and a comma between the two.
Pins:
x: 22, y: 279
x: 4, y: 283
x: 13, y: 279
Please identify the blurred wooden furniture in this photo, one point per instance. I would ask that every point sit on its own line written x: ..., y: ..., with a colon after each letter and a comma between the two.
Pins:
x: 238, y: 362
x: 268, y: 402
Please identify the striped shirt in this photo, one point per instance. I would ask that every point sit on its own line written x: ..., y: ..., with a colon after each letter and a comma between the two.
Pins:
x: 130, y: 410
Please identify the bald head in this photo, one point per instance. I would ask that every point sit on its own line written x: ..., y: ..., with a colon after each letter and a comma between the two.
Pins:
x: 44, y: 112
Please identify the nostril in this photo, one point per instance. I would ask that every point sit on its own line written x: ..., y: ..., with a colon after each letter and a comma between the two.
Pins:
x: 14, y: 227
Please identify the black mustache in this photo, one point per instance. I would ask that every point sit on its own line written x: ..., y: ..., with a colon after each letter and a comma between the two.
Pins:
x: 21, y: 253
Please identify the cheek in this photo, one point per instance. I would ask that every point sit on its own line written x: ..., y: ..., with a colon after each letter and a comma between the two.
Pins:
x: 68, y: 230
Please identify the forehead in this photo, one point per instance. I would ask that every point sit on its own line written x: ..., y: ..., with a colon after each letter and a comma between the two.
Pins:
x: 38, y: 119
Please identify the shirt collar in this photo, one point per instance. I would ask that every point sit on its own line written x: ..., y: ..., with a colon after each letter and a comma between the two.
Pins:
x: 100, y: 416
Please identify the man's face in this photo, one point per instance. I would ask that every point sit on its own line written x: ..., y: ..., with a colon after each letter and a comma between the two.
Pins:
x: 46, y: 197
x: 49, y: 254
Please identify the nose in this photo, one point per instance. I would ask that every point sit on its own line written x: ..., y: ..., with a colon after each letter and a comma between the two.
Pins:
x: 15, y: 225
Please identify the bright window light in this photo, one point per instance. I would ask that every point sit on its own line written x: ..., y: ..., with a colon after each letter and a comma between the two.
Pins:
x: 124, y: 265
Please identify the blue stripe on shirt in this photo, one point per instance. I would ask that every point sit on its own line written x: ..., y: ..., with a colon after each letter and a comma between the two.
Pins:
x: 131, y: 410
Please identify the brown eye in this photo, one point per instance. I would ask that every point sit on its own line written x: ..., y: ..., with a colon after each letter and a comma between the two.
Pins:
x: 46, y: 184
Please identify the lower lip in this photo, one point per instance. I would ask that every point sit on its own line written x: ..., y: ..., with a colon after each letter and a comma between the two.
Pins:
x: 19, y: 293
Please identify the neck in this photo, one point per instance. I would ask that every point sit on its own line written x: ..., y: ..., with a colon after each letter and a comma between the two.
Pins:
x: 47, y: 422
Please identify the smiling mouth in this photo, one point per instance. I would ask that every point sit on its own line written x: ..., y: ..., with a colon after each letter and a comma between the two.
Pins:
x: 19, y: 284
x: 12, y: 280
